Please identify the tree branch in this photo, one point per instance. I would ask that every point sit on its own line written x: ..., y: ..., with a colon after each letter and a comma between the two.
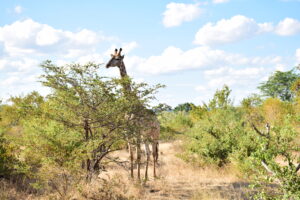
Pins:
x: 297, y: 168
x: 264, y: 164
x: 260, y: 133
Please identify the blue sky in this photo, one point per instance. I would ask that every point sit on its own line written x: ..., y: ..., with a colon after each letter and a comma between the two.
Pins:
x: 193, y: 47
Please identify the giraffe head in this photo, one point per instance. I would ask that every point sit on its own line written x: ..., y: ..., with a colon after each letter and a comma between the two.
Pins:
x: 116, y: 59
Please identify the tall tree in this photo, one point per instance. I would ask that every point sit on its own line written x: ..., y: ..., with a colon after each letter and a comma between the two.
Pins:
x: 221, y: 99
x: 94, y: 106
x: 279, y: 85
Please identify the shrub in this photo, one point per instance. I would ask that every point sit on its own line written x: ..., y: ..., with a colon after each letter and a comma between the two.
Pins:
x: 215, y: 137
x: 7, y: 160
x: 174, y: 124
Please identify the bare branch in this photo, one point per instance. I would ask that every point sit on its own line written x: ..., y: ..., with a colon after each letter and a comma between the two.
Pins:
x: 118, y: 162
x: 264, y: 164
x: 267, y: 168
x: 260, y: 133
x: 297, y: 168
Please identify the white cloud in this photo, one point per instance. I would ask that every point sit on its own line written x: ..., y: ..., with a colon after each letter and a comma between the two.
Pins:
x: 242, y: 81
x: 47, y: 36
x: 9, y: 81
x: 230, y: 30
x: 220, y: 1
x: 177, y: 13
x: 239, y: 27
x: 18, y: 64
x: 28, y: 37
x: 174, y: 59
x: 84, y: 37
x: 288, y: 27
x: 128, y: 47
x: 18, y: 9
x: 26, y: 43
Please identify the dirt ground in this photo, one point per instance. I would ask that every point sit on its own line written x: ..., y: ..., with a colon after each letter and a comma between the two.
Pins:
x: 179, y: 180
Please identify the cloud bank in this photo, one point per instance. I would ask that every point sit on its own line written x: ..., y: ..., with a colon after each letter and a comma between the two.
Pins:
x: 177, y: 13
x: 239, y: 28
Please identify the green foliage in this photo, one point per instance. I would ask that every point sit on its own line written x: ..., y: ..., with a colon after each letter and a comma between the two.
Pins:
x: 7, y: 160
x: 221, y: 99
x: 219, y: 134
x: 68, y: 135
x: 277, y: 161
x: 216, y: 137
x: 296, y: 87
x: 279, y: 85
x: 186, y: 107
x: 50, y: 143
x: 162, y: 107
x: 95, y: 107
x: 174, y: 124
x: 224, y: 134
x: 251, y: 101
x: 57, y: 140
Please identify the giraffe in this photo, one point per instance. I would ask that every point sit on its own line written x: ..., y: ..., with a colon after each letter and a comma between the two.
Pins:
x: 151, y: 132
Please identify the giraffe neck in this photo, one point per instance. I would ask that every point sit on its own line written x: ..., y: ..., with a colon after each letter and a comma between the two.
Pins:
x: 123, y: 72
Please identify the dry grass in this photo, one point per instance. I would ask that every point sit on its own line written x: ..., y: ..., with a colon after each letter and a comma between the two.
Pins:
x: 177, y: 180
x: 173, y: 168
x: 8, y: 191
x: 180, y: 180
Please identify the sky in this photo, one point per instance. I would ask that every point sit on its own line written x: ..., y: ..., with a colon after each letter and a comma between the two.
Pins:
x: 193, y: 47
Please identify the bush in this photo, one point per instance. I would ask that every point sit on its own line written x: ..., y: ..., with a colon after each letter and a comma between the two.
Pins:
x: 7, y: 160
x: 277, y: 162
x: 174, y: 124
x: 216, y: 137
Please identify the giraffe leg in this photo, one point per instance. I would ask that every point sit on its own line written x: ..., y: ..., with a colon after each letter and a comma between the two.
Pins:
x: 131, y: 159
x: 138, y: 159
x: 148, y: 158
x: 155, y: 156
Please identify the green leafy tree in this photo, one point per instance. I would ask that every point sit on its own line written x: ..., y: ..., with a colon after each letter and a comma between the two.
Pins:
x: 219, y: 134
x: 85, y: 103
x: 277, y: 161
x: 214, y: 138
x: 174, y: 124
x: 279, y: 85
x: 8, y: 162
x: 186, y: 107
x: 162, y: 107
x: 221, y: 99
x: 95, y: 107
x: 251, y: 101
x: 70, y: 133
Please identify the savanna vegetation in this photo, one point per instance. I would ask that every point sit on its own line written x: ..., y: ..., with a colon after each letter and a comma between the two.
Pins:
x: 55, y: 146
x: 259, y: 138
x: 50, y: 145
